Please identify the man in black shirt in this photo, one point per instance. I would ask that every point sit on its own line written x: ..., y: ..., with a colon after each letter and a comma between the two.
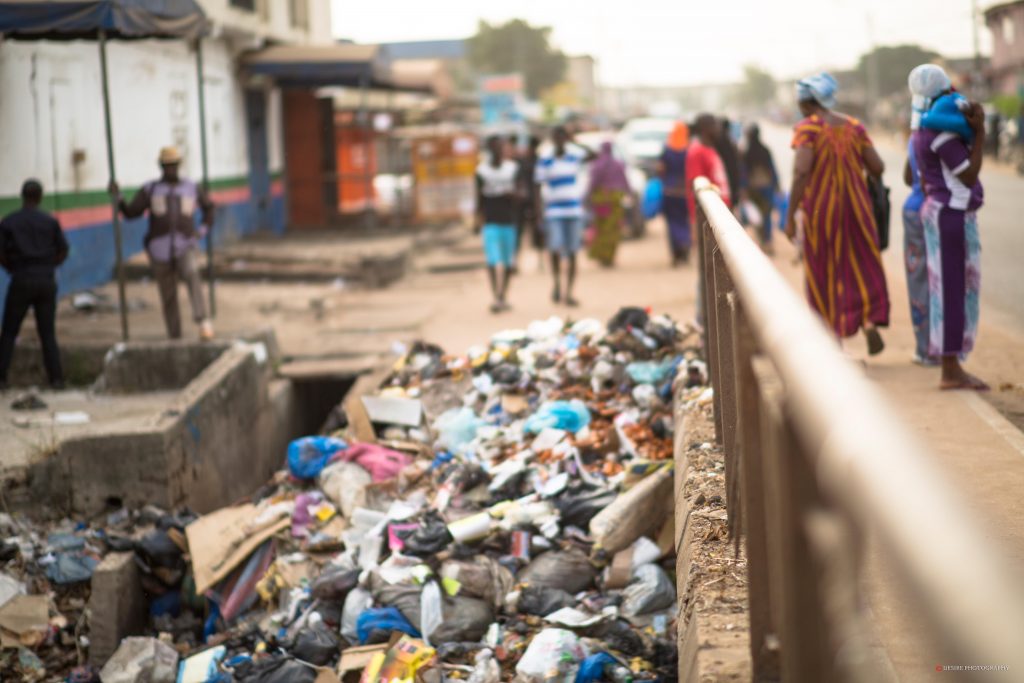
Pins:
x: 32, y: 245
x: 497, y: 205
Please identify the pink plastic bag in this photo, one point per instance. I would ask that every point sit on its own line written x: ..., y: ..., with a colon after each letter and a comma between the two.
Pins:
x: 382, y: 463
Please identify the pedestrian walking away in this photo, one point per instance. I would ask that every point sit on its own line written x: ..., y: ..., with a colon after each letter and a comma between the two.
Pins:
x: 606, y: 192
x: 702, y: 161
x: 172, y: 241
x: 915, y: 259
x: 759, y: 181
x: 559, y: 174
x: 497, y: 181
x: 950, y: 169
x: 725, y: 145
x: 672, y: 169
x: 530, y: 218
x: 32, y: 245
x: 843, y: 269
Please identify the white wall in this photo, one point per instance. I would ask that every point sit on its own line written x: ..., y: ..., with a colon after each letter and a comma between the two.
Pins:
x: 52, y: 105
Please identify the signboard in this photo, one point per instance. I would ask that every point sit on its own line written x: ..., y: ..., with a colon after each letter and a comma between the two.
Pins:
x: 500, y: 98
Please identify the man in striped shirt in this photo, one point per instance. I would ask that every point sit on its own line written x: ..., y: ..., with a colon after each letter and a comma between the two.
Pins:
x: 559, y: 174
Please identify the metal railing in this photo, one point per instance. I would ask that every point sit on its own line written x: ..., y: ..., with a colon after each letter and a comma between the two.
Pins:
x: 815, y: 460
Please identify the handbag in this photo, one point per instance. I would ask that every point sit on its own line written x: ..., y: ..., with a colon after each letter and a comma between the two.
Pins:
x: 882, y: 208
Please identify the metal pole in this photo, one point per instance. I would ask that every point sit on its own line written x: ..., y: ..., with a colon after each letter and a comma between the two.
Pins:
x: 114, y: 199
x: 206, y: 173
x: 364, y: 119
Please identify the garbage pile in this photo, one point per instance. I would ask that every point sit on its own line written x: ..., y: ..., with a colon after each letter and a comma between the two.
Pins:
x: 501, y: 515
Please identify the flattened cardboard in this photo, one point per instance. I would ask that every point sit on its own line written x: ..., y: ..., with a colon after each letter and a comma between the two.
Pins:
x: 220, y: 541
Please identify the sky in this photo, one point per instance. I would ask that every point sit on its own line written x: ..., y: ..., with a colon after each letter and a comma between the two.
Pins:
x: 683, y: 42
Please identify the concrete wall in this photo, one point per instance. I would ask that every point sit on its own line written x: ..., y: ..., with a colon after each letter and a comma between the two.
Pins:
x: 219, y: 440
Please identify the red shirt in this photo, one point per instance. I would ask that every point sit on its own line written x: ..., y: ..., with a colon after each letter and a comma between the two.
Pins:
x: 702, y: 160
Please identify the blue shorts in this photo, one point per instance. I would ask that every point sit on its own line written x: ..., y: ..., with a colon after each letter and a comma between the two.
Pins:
x: 565, y: 234
x: 499, y: 244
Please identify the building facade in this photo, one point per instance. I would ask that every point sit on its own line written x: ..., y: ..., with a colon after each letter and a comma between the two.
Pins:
x: 53, y: 128
x: 1006, y: 23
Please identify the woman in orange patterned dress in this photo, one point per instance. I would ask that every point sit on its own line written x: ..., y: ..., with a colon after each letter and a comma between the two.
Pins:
x: 842, y: 262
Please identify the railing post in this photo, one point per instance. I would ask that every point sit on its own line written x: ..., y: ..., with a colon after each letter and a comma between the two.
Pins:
x: 791, y: 497
x: 707, y: 296
x: 764, y: 649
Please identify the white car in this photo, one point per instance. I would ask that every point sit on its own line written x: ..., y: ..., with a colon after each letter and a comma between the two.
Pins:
x: 642, y: 141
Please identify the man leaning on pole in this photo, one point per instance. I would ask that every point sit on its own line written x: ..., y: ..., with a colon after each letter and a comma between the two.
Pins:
x: 172, y: 241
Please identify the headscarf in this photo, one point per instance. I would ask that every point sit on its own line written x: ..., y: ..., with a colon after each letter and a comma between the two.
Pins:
x: 821, y: 88
x: 679, y: 138
x: 926, y: 82
x: 607, y: 172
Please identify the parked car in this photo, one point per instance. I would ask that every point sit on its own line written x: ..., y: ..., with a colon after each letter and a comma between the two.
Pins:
x: 642, y: 141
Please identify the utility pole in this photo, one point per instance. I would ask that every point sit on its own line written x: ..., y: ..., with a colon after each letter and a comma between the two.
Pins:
x: 872, y: 76
x: 977, y: 78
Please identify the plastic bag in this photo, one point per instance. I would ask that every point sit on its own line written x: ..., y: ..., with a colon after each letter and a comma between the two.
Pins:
x: 403, y: 597
x: 308, y: 456
x: 316, y: 645
x: 465, y: 620
x: 334, y: 584
x: 568, y: 570
x: 577, y: 509
x: 649, y: 372
x: 456, y: 428
x: 382, y: 463
x: 377, y: 625
x: 543, y: 601
x: 431, y: 609
x: 628, y: 316
x: 356, y: 602
x: 485, y: 669
x: 275, y: 669
x: 431, y: 537
x: 141, y: 660
x: 649, y: 590
x: 553, y: 656
x: 482, y: 577
x: 653, y: 195
x: 344, y: 484
x: 571, y: 416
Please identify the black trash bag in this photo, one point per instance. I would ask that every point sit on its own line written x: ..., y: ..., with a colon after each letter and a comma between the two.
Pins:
x: 430, y: 538
x: 577, y: 509
x: 542, y: 601
x: 506, y: 373
x: 158, y: 556
x: 276, y: 669
x: 648, y: 591
x: 465, y: 620
x: 620, y: 636
x: 628, y: 316
x: 316, y: 645
x: 334, y: 584
x: 568, y: 570
x: 405, y: 598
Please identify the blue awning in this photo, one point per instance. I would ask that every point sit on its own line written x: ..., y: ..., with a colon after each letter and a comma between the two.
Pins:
x: 122, y: 19
x: 314, y: 66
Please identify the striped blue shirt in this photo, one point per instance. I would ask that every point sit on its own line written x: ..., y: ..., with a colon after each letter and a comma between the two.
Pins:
x: 563, y: 189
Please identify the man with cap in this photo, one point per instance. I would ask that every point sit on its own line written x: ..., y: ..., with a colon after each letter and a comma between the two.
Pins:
x: 32, y: 245
x: 172, y: 240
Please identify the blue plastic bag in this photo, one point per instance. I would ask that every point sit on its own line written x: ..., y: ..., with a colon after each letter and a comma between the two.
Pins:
x: 592, y: 668
x: 383, y: 619
x: 572, y: 416
x: 649, y: 372
x: 653, y: 194
x: 308, y: 456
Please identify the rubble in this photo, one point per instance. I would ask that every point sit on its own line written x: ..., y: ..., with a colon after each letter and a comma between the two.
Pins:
x: 492, y: 516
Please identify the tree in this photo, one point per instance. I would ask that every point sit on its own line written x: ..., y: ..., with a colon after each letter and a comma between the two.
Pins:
x: 758, y: 86
x: 517, y: 47
x: 884, y: 70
